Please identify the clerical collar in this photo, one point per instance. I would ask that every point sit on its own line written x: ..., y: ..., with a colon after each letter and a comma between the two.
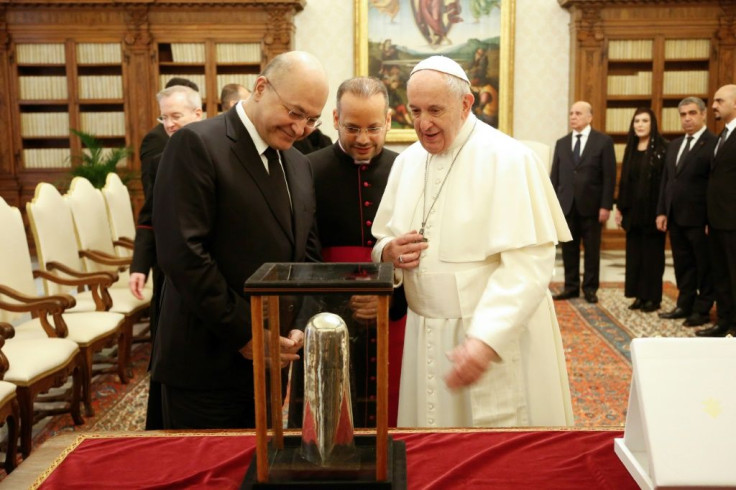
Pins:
x: 356, y: 162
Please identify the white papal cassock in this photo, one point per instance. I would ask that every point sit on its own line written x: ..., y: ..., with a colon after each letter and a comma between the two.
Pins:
x: 492, y: 234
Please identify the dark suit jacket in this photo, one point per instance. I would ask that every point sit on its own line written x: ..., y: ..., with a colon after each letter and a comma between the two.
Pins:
x: 722, y: 187
x: 152, y: 146
x: 682, y: 193
x: 590, y: 184
x: 215, y: 225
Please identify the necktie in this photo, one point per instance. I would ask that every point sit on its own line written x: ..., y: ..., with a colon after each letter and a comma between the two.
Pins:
x: 686, y: 150
x: 722, y: 139
x: 281, y: 203
x: 576, y: 150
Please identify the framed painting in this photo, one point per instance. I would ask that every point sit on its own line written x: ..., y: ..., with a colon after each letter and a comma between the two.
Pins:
x: 391, y: 36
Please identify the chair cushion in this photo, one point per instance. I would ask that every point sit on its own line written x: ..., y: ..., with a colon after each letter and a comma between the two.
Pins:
x: 7, y: 392
x: 33, y: 359
x: 84, y: 327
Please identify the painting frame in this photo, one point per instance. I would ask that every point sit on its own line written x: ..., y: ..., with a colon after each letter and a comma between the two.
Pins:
x: 500, y: 64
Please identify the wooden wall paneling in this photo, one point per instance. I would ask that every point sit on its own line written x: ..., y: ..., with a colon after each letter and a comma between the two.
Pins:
x: 8, y: 181
x: 139, y: 26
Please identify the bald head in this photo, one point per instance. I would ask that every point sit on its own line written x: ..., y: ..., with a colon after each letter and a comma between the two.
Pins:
x: 724, y: 103
x: 581, y: 114
x: 294, y: 64
x: 288, y: 98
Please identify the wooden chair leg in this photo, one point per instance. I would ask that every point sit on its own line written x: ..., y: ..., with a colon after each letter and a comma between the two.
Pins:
x: 76, y: 392
x: 124, y: 341
x: 25, y: 403
x: 86, y: 379
x: 11, y: 455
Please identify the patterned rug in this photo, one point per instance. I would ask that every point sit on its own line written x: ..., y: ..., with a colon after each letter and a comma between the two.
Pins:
x: 596, y: 339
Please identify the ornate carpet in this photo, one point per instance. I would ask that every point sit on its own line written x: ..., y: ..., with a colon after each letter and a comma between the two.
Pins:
x: 596, y: 339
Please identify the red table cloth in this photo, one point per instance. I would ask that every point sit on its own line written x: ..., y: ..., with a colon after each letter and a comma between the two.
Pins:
x: 467, y: 459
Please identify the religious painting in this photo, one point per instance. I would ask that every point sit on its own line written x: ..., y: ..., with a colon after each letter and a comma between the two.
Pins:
x: 391, y: 36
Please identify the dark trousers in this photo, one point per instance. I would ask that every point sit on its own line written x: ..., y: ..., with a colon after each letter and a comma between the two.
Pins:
x: 588, y: 230
x: 154, y: 416
x: 691, y: 256
x: 723, y: 257
x: 644, y: 264
x: 207, y: 409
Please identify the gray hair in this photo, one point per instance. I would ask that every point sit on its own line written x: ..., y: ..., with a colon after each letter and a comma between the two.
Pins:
x: 455, y: 85
x: 363, y: 87
x: 194, y: 100
x: 692, y: 100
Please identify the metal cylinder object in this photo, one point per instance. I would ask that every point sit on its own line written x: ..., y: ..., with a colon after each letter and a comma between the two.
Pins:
x: 327, y: 427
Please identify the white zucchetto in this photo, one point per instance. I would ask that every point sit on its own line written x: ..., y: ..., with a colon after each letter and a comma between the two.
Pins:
x: 442, y: 64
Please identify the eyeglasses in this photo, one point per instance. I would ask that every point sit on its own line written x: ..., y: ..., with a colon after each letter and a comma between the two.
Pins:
x: 311, y: 122
x: 174, y: 118
x: 355, y: 130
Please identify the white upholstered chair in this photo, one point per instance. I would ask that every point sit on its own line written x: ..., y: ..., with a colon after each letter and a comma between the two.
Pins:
x: 9, y: 408
x: 119, y: 214
x: 35, y: 365
x: 91, y: 330
x: 57, y: 249
x: 542, y: 150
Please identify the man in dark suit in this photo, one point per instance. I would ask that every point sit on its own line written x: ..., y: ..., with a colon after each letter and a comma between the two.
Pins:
x: 179, y: 104
x: 230, y: 195
x: 721, y: 197
x: 231, y: 94
x: 682, y: 210
x: 584, y: 176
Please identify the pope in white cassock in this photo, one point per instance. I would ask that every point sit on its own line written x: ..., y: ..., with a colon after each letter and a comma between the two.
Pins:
x: 470, y: 221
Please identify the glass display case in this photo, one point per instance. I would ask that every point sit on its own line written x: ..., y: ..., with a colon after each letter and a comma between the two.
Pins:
x: 324, y: 452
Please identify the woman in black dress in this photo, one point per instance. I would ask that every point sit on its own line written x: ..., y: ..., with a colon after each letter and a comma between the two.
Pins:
x: 636, y: 205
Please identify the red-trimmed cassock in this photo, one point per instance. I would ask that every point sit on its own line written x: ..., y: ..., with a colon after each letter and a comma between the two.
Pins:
x: 348, y: 195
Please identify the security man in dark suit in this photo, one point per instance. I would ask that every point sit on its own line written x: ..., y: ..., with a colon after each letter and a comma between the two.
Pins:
x: 682, y: 210
x: 231, y: 194
x: 721, y: 197
x: 584, y: 176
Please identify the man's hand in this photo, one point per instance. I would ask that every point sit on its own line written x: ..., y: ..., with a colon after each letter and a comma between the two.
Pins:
x: 470, y: 359
x: 603, y: 215
x: 364, y: 307
x: 136, y: 283
x: 404, y: 251
x: 662, y: 222
x: 619, y: 218
x: 289, y: 347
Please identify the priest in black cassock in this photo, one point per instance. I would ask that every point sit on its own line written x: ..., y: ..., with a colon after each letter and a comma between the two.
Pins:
x: 349, y: 179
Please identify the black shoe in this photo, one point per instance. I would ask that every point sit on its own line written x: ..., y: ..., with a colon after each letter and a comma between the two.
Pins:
x: 714, y: 331
x: 566, y: 294
x: 696, y: 320
x: 590, y: 296
x: 636, y: 304
x: 674, y: 314
x: 649, y: 306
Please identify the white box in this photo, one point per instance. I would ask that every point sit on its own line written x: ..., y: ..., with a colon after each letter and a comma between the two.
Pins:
x: 681, y: 422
